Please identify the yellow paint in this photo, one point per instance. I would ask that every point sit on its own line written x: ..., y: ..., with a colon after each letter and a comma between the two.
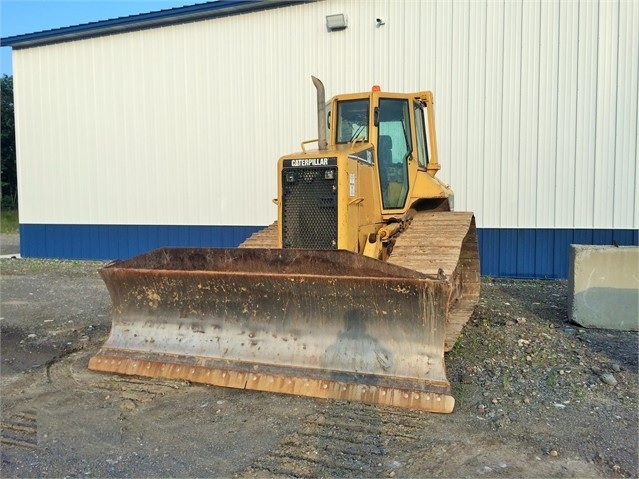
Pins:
x: 370, y: 195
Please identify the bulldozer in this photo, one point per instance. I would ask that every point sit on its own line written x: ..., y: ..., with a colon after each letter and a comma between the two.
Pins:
x: 355, y: 292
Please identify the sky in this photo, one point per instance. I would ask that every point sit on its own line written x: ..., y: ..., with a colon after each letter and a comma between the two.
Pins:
x: 18, y: 17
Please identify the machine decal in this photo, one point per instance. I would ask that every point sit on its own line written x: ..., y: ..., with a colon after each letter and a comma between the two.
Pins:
x: 304, y: 162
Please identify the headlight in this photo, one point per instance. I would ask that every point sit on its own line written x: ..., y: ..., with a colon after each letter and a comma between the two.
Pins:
x: 329, y: 175
x: 290, y: 177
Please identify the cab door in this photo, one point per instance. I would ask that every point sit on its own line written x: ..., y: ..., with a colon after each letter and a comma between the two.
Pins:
x: 394, y: 148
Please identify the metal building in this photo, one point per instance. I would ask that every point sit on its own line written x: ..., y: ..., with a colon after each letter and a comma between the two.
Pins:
x: 165, y: 128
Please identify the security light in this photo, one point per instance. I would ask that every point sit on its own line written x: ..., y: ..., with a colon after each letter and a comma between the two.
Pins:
x: 336, y: 22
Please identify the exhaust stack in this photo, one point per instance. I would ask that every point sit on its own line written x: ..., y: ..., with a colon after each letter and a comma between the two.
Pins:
x: 321, y: 114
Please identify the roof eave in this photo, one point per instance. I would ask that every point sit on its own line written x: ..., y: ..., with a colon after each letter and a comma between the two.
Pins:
x: 142, y: 21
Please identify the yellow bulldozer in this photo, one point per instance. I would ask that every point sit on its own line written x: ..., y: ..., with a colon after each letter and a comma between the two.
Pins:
x: 355, y: 292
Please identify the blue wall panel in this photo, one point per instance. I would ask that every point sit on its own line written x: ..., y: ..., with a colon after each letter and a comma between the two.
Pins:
x: 562, y: 239
x: 515, y: 253
x: 507, y: 244
x: 540, y: 253
x: 526, y: 251
x: 544, y: 265
x: 489, y: 247
x: 109, y: 242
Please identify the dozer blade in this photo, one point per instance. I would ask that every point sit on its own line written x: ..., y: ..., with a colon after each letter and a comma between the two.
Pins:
x: 328, y: 324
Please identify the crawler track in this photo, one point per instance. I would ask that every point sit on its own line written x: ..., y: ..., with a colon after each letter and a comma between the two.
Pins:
x: 264, y: 238
x: 444, y: 243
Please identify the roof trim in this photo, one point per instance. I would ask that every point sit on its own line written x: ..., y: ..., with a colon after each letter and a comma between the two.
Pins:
x: 190, y: 13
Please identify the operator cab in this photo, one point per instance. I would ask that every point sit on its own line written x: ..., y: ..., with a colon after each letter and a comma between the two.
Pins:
x: 391, y: 134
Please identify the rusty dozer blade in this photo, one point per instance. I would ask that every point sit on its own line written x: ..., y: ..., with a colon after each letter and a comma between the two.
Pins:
x: 328, y: 324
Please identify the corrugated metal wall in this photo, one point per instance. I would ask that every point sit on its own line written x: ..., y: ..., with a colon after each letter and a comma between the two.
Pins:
x: 182, y: 125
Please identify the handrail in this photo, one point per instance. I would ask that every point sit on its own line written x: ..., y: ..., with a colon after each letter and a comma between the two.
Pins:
x: 307, y: 142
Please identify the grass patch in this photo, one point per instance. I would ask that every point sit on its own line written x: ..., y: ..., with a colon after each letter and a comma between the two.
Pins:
x: 9, y: 222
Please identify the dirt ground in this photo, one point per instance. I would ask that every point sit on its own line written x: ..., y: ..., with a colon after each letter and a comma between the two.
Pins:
x: 536, y: 396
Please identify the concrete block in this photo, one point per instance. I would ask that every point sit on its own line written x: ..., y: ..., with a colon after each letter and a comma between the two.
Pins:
x: 604, y: 287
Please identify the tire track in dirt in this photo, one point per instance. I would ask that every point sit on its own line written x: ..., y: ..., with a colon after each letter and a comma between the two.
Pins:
x: 343, y: 440
x: 19, y: 430
x: 70, y: 371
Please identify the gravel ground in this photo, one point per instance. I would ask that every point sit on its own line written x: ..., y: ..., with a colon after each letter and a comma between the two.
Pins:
x: 536, y: 396
x: 9, y: 244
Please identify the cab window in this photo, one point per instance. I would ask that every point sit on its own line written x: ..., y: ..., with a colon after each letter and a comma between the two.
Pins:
x: 352, y: 120
x: 420, y: 133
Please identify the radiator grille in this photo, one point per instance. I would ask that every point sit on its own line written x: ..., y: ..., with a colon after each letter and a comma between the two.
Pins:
x: 309, y: 210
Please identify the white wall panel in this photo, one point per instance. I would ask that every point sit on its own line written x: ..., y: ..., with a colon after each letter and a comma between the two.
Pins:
x: 626, y: 172
x: 566, y: 91
x: 548, y: 103
x: 511, y: 114
x: 476, y: 116
x: 586, y: 117
x: 493, y: 116
x: 458, y: 73
x: 528, y: 144
x: 606, y: 125
x: 536, y: 106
